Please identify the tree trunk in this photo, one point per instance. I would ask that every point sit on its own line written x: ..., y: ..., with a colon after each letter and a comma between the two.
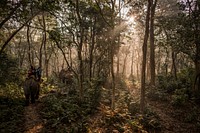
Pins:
x: 132, y: 60
x: 29, y: 44
x: 124, y: 65
x: 144, y: 51
x: 152, y: 46
x: 174, y: 69
x: 80, y: 47
x: 45, y: 49
x: 113, y: 79
x: 93, y: 34
x: 113, y: 2
x: 118, y: 55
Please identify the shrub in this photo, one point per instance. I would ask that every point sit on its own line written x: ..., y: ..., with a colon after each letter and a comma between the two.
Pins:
x: 9, y: 71
x: 11, y: 90
x: 180, y: 97
x: 167, y: 83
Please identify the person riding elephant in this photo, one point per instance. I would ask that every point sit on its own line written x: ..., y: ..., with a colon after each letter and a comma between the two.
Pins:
x: 38, y: 73
x: 32, y: 71
x: 32, y: 84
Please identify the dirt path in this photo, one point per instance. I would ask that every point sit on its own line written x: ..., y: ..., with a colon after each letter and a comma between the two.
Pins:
x: 33, y: 123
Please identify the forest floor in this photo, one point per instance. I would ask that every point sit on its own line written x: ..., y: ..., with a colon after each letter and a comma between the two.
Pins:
x: 169, y: 122
x: 33, y: 122
x: 172, y: 119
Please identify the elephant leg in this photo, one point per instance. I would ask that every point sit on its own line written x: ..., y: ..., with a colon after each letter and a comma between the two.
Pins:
x: 33, y: 92
x: 32, y: 98
x: 37, y: 94
x: 27, y: 100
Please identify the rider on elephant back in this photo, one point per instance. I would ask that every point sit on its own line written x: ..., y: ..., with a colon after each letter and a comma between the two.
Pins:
x: 32, y: 72
x: 38, y: 73
x: 35, y: 73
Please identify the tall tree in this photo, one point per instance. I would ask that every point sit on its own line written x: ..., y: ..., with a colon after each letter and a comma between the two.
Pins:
x: 152, y: 45
x: 144, y: 54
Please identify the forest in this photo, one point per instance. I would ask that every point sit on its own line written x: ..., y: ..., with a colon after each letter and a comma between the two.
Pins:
x: 99, y: 66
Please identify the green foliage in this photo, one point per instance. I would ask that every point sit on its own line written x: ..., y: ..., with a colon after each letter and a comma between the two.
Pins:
x: 11, y: 114
x: 186, y: 77
x: 46, y: 86
x: 167, y: 83
x: 180, y: 97
x: 157, y: 94
x: 61, y: 112
x: 9, y: 71
x: 149, y: 122
x: 93, y: 92
x: 11, y: 90
x: 180, y: 88
x: 11, y: 101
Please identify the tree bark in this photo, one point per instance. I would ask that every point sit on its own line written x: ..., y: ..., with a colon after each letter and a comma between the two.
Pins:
x: 132, y: 61
x: 45, y: 47
x: 174, y: 69
x: 112, y: 58
x: 29, y: 44
x: 144, y: 51
x: 152, y: 45
x: 93, y: 34
x: 80, y: 47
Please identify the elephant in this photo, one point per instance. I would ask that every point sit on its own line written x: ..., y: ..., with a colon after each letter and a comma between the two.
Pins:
x: 66, y: 76
x: 31, y: 90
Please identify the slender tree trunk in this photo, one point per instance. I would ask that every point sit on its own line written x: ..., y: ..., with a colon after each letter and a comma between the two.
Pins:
x: 29, y: 44
x: 118, y: 63
x: 174, y: 64
x: 138, y: 66
x: 93, y: 34
x: 70, y: 56
x: 119, y: 39
x: 45, y: 49
x: 112, y: 58
x: 158, y: 61
x: 132, y: 60
x: 113, y: 79
x: 166, y: 62
x: 124, y: 65
x: 152, y: 46
x: 144, y: 51
x: 80, y: 47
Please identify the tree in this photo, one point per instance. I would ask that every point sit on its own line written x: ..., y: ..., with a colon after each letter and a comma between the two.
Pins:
x: 144, y: 51
x: 152, y: 45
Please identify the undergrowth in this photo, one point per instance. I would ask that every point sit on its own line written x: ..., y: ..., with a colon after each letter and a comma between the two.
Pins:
x: 12, y: 109
x: 63, y: 112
